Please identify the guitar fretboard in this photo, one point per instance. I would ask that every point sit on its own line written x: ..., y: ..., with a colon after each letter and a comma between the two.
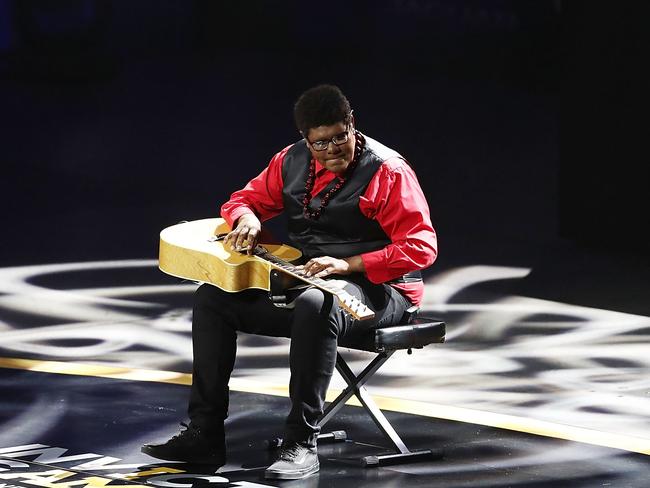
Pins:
x: 350, y: 304
x: 295, y: 271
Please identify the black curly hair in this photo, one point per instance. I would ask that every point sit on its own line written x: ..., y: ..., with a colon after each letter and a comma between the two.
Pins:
x: 321, y: 105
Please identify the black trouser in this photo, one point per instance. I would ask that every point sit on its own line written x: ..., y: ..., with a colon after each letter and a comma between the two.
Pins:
x: 313, y: 325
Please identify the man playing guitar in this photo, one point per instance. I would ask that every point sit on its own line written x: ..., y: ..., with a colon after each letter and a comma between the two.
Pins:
x: 356, y: 211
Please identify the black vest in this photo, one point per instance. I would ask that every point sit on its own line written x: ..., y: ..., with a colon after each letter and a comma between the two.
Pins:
x: 342, y: 230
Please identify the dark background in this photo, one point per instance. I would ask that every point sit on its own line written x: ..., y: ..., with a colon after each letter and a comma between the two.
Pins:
x: 523, y: 120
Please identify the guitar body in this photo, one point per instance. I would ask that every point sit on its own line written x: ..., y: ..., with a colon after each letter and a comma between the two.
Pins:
x: 193, y: 251
x: 188, y: 250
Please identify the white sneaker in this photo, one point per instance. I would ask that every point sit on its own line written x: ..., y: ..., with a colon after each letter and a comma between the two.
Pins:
x: 294, y: 462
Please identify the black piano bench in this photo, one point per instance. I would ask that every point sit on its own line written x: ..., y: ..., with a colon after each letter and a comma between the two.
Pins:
x: 419, y: 332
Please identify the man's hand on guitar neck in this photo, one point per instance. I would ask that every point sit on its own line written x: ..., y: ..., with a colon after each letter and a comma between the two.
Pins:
x: 245, y: 235
x: 327, y: 265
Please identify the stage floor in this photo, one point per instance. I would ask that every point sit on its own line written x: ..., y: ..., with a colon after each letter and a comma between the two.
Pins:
x: 59, y: 429
x: 95, y: 361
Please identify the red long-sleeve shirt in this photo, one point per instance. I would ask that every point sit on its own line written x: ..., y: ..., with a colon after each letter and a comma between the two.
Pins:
x: 393, y: 198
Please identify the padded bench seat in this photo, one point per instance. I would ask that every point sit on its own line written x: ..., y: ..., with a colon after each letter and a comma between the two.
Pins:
x: 415, y: 334
x: 421, y: 332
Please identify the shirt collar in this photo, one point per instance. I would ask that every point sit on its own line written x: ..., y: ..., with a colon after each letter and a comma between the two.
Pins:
x: 320, y: 169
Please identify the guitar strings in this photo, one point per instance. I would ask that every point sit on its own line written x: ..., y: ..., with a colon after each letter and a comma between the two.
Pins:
x: 350, y: 301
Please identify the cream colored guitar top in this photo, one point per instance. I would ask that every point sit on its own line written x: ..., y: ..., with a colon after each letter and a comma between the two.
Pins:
x: 194, y: 251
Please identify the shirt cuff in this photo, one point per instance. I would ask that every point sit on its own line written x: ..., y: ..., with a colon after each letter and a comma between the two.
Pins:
x: 375, y: 264
x: 232, y: 216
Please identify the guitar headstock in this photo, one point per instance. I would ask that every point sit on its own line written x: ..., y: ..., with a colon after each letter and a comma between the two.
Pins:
x: 354, y: 306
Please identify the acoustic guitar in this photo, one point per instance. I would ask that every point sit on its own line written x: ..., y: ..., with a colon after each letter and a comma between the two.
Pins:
x: 194, y: 251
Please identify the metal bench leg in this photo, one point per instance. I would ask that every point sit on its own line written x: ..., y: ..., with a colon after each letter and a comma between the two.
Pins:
x: 353, y: 381
x: 356, y: 387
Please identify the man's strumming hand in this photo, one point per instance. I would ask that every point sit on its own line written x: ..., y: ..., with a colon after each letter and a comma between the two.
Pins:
x: 246, y: 234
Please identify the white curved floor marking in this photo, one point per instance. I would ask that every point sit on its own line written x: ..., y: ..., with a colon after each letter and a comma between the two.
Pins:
x: 512, y: 356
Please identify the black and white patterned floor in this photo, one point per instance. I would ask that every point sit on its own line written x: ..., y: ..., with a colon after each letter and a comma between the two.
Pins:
x: 95, y: 360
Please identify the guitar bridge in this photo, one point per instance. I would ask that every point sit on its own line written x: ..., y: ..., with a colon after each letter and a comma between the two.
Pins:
x: 217, y: 237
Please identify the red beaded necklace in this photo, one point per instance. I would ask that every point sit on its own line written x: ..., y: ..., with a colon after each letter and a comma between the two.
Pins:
x: 311, y: 178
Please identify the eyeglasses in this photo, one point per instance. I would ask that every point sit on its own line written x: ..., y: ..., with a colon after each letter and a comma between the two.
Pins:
x: 337, y: 140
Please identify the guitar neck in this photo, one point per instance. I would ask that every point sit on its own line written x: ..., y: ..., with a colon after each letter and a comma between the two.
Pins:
x: 292, y: 270
x: 349, y: 303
